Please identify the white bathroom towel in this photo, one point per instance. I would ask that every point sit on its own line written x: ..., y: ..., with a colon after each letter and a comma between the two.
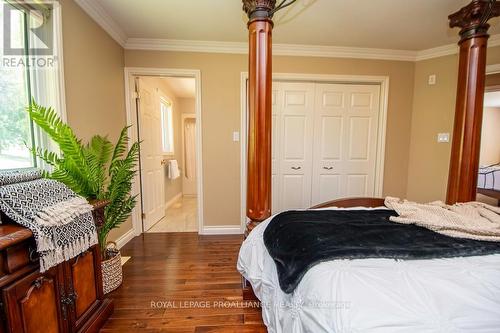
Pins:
x: 173, y: 169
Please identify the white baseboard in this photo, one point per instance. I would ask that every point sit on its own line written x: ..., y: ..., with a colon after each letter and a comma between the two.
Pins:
x: 173, y: 200
x: 125, y: 238
x: 221, y: 230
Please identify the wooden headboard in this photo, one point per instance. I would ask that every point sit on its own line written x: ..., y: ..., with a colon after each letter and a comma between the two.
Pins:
x: 464, y: 164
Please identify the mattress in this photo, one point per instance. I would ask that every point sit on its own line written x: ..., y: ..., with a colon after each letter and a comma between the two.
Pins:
x: 489, y: 178
x: 377, y: 295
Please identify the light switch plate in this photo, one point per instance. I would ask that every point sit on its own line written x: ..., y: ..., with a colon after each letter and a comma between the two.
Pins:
x: 432, y: 79
x: 236, y: 136
x: 443, y: 137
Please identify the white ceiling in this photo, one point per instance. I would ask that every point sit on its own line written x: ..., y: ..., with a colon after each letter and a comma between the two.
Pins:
x: 182, y: 87
x: 492, y: 99
x: 384, y: 24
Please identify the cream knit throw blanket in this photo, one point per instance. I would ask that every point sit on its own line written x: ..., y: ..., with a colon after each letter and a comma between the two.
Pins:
x: 473, y: 220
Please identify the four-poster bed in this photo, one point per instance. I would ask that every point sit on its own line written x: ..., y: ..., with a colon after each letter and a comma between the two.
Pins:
x: 462, y: 187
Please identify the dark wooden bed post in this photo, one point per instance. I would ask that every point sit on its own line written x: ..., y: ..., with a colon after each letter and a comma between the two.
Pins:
x: 464, y: 164
x: 260, y: 27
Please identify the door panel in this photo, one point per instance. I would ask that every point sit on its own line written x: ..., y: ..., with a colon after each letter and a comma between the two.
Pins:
x: 34, y: 303
x: 293, y: 189
x: 277, y: 97
x: 363, y: 118
x: 83, y: 280
x: 294, y: 137
x: 38, y: 307
x: 276, y: 202
x: 359, y: 138
x: 331, y: 137
x: 345, y: 141
x: 362, y: 101
x: 153, y: 172
x: 295, y: 145
x: 329, y: 187
x: 357, y: 185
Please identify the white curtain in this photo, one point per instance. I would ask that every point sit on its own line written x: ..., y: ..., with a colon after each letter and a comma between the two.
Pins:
x: 190, y: 148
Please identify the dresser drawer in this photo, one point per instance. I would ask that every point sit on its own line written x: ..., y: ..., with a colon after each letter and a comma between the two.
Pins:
x: 18, y: 256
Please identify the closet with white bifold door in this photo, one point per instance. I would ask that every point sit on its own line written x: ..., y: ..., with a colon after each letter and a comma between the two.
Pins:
x: 324, y: 142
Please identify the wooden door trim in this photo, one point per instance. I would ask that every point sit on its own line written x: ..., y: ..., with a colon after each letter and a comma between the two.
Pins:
x: 383, y: 81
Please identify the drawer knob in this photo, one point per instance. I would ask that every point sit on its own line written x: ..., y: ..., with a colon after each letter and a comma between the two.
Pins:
x: 296, y: 168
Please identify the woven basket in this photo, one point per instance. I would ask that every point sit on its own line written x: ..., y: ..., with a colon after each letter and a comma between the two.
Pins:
x: 112, y: 275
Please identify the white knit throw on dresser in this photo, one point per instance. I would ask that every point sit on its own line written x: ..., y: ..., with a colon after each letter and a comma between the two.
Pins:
x: 61, y: 221
x: 473, y: 220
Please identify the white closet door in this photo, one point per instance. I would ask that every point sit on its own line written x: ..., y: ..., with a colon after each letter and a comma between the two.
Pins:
x: 345, y: 141
x: 277, y: 98
x: 296, y: 133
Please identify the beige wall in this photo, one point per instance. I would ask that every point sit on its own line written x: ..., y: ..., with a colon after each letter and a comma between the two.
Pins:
x: 490, y: 142
x: 221, y: 116
x: 187, y: 105
x: 93, y: 72
x: 433, y: 112
x: 172, y: 187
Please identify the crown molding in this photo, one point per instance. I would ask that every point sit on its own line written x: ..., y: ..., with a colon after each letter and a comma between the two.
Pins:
x: 343, y: 52
x: 103, y: 19
x: 278, y: 49
x: 297, y: 50
x: 437, y: 52
x: 450, y: 49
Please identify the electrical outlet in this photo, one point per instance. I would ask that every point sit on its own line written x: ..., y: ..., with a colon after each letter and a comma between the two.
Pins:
x: 432, y: 79
x: 236, y: 136
x: 443, y: 137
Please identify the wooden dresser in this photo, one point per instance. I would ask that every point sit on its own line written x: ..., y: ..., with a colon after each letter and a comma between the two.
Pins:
x: 67, y: 298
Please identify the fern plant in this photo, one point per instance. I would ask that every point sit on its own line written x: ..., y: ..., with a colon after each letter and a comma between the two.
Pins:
x: 95, y: 170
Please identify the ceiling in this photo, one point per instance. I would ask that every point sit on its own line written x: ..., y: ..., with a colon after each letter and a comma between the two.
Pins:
x: 182, y: 87
x: 411, y: 25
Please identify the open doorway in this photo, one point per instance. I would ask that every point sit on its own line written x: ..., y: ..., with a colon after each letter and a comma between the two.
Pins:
x: 165, y: 112
x: 489, y: 162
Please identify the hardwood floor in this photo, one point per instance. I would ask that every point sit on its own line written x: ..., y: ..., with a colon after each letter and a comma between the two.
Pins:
x: 182, y: 283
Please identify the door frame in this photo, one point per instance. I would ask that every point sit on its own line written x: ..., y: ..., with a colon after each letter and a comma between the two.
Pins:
x: 183, y: 119
x: 130, y: 73
x: 383, y: 81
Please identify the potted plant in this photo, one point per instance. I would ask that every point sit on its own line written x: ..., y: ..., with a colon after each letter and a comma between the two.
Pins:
x: 98, y: 171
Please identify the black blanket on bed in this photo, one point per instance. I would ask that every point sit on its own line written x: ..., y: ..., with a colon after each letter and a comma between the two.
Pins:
x: 298, y: 240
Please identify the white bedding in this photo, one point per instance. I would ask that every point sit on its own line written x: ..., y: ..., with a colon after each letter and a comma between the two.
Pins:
x: 377, y: 295
x: 489, y: 178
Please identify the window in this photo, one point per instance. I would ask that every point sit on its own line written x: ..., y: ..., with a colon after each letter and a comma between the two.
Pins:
x: 167, y: 127
x: 15, y: 127
x: 29, y: 69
